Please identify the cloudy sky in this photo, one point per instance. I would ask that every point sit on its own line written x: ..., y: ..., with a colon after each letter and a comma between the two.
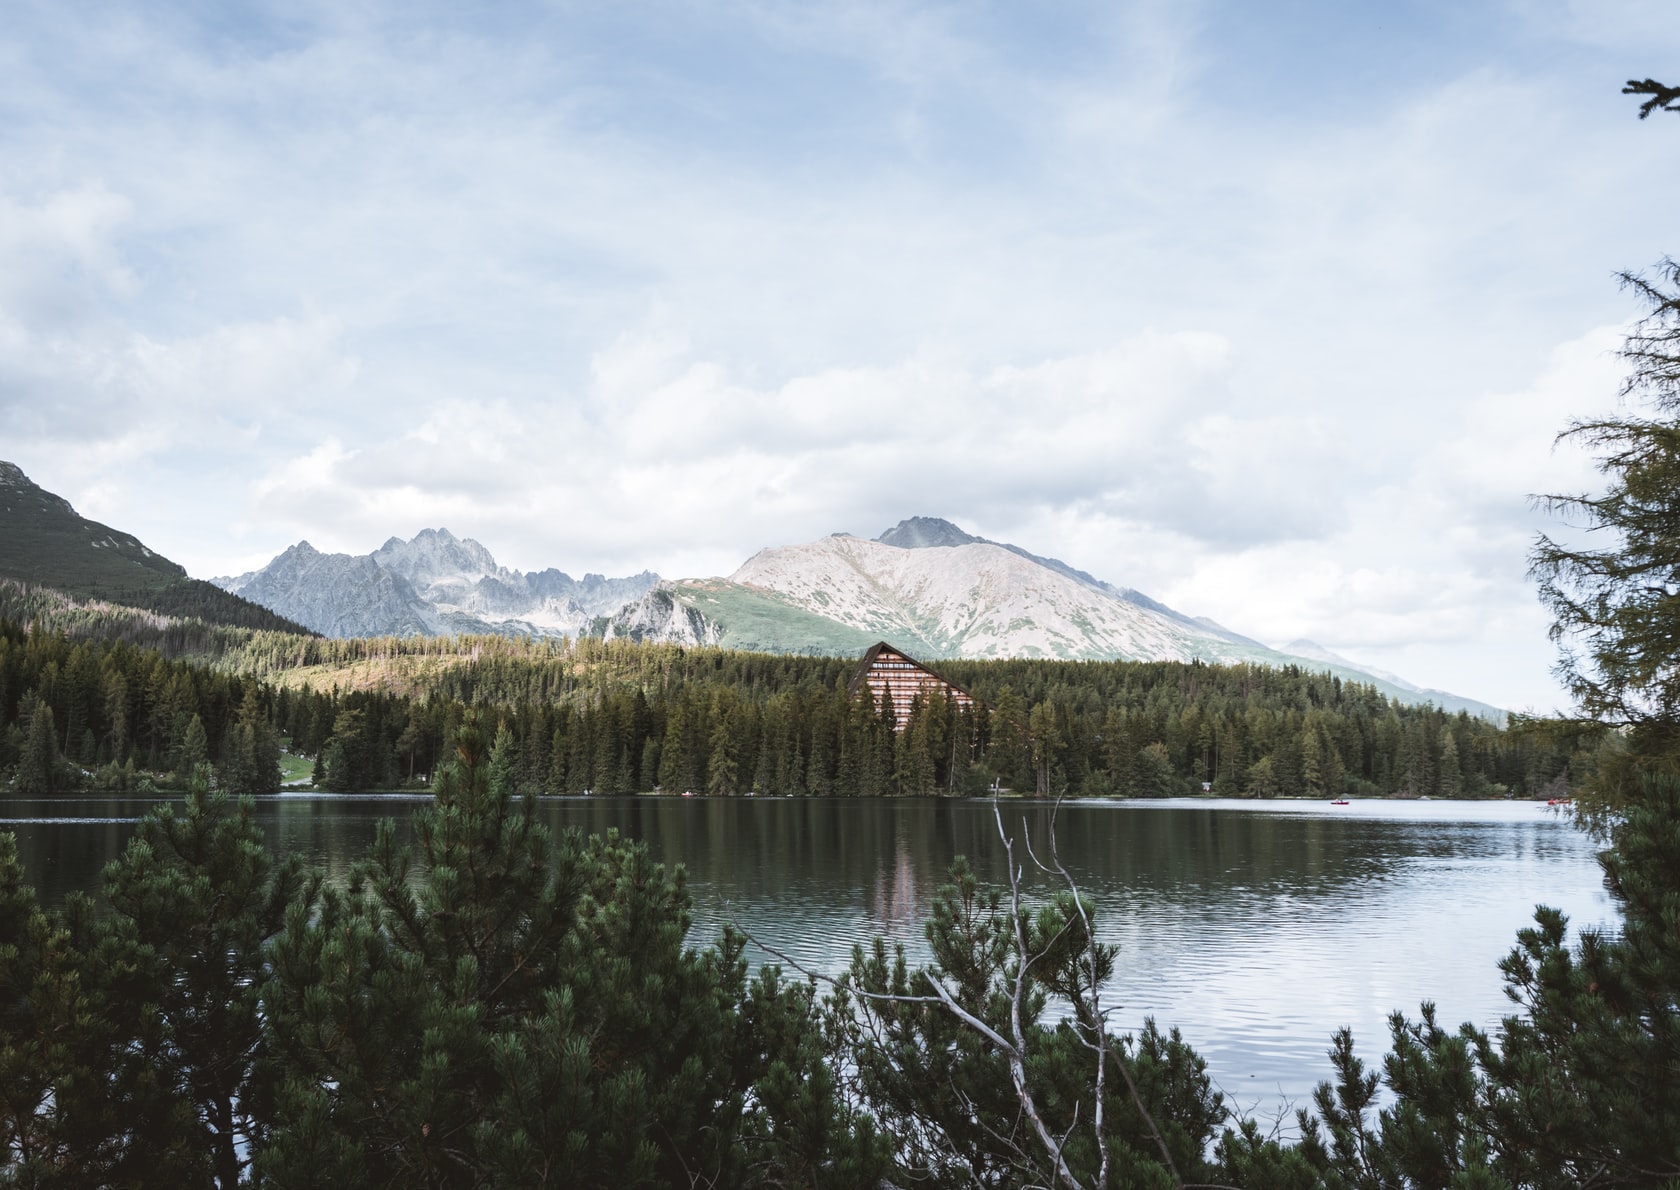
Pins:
x: 1271, y: 310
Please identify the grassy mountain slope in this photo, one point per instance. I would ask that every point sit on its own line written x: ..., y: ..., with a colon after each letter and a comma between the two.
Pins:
x: 765, y: 622
x: 45, y: 542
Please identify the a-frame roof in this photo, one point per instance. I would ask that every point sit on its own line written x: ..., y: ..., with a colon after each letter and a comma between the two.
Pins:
x: 874, y: 654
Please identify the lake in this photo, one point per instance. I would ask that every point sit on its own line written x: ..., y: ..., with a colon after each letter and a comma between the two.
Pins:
x: 1257, y: 928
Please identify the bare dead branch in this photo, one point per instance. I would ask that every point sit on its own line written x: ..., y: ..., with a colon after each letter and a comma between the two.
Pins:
x: 1024, y: 959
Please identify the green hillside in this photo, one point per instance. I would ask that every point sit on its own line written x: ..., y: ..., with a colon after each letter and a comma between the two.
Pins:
x: 45, y: 542
x: 764, y: 622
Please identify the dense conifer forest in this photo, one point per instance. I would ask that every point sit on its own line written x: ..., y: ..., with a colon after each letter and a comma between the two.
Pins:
x: 618, y: 717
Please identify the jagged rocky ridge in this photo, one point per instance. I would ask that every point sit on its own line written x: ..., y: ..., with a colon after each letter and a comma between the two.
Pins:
x: 433, y: 585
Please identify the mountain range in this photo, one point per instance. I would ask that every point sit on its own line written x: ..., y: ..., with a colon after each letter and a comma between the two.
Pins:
x: 925, y: 585
x: 433, y: 585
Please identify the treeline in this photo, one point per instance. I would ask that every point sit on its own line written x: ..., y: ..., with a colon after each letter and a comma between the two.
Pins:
x: 172, y: 633
x: 191, y: 598
x: 120, y: 717
x: 619, y: 717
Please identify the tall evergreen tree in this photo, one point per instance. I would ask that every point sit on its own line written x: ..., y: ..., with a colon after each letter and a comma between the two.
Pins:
x: 39, y: 769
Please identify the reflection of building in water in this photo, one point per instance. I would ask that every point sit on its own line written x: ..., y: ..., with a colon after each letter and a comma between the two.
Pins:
x: 890, y: 674
x: 894, y: 903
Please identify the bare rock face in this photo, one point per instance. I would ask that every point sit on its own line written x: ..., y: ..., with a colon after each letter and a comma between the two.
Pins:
x: 661, y: 616
x: 15, y: 486
x: 596, y: 594
x: 969, y: 599
x: 926, y: 532
x: 436, y: 556
x: 433, y: 585
x: 337, y: 594
x: 930, y: 587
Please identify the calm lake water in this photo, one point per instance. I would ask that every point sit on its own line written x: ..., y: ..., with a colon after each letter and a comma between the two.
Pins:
x: 1256, y: 928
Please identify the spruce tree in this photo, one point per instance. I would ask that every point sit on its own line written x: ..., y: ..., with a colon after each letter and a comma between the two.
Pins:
x: 195, y: 748
x: 1451, y: 783
x: 39, y: 769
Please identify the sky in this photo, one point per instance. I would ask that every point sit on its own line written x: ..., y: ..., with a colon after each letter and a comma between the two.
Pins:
x: 1271, y: 310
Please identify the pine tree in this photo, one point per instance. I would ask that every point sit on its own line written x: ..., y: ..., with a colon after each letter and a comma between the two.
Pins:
x: 1451, y: 783
x: 1578, y: 1085
x: 199, y: 895
x: 527, y: 1015
x: 39, y: 769
x: 195, y: 747
x: 135, y: 1052
x: 957, y: 1103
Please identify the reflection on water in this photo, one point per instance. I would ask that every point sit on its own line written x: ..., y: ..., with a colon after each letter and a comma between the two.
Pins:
x: 1257, y: 928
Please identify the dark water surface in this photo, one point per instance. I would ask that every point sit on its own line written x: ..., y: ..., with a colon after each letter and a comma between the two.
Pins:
x: 1256, y: 928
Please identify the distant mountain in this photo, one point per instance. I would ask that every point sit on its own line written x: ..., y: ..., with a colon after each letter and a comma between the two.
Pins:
x: 45, y: 542
x: 435, y: 584
x: 924, y: 532
x: 338, y: 595
x: 925, y: 585
x: 929, y: 587
x: 1317, y: 652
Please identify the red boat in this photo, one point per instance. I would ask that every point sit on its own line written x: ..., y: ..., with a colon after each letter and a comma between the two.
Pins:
x: 1340, y: 801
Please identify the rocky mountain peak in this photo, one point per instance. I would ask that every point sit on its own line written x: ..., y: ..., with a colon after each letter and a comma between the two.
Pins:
x: 434, y: 583
x: 927, y: 532
x: 435, y: 554
x: 12, y: 476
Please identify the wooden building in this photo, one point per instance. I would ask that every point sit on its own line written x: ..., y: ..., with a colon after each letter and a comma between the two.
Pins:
x: 892, y: 675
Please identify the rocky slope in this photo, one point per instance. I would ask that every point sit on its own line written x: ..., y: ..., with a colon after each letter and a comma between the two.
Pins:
x: 338, y: 595
x: 435, y: 584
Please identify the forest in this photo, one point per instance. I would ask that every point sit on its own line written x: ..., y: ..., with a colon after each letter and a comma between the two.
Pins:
x: 80, y: 709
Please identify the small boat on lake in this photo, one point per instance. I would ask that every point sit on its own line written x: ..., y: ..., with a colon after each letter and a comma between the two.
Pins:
x: 1340, y: 801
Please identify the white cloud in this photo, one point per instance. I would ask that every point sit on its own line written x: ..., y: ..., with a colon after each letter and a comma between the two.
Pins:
x: 1428, y: 576
x: 1218, y: 309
